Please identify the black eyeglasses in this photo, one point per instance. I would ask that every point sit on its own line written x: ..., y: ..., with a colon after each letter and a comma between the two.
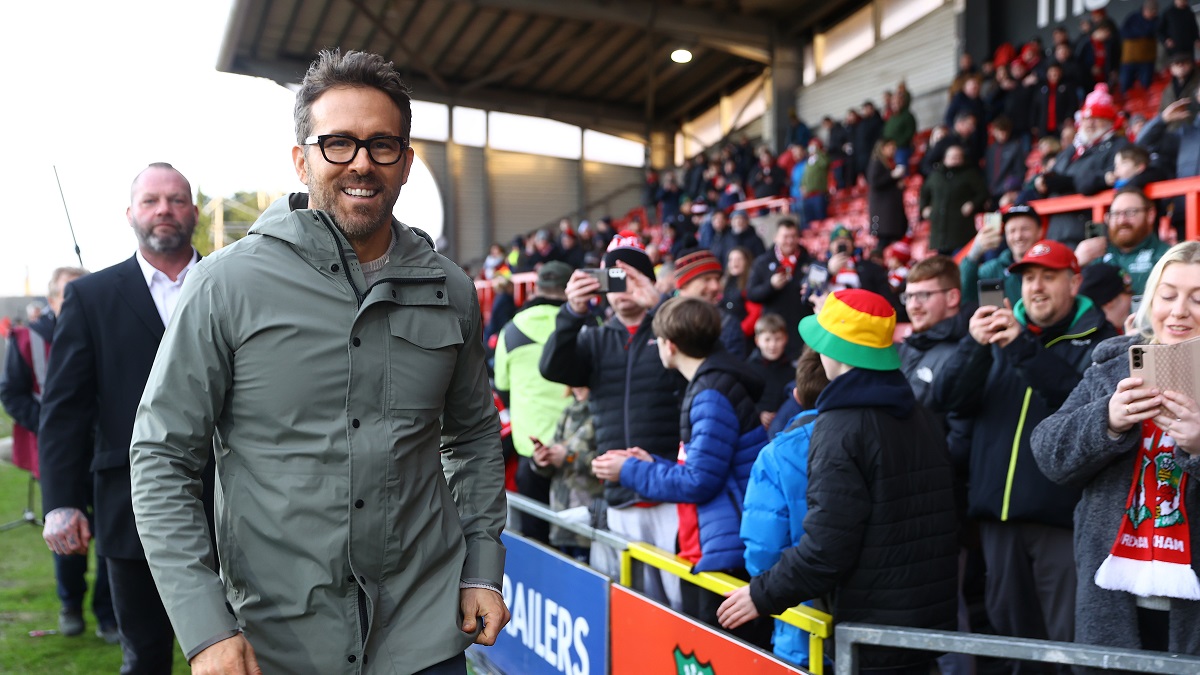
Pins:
x: 921, y: 296
x: 342, y: 149
x: 1127, y: 214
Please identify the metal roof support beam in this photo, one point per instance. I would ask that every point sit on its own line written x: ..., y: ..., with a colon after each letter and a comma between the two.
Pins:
x: 413, y: 57
x: 546, y: 53
x: 719, y: 30
x: 786, y: 76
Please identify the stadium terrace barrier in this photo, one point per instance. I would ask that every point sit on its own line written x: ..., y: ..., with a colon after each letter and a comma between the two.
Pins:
x: 817, y: 624
x: 1188, y: 188
x: 850, y: 635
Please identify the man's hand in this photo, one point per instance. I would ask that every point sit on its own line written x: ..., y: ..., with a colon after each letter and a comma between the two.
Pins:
x: 608, y: 466
x: 737, y: 609
x: 994, y: 325
x: 639, y: 287
x: 481, y: 604
x: 968, y: 208
x: 1177, y: 111
x: 581, y: 288
x: 766, y: 417
x: 1090, y: 249
x: 1039, y: 184
x: 67, y: 532
x: 926, y: 212
x: 779, y: 279
x: 837, y: 262
x: 233, y: 656
x: 987, y: 240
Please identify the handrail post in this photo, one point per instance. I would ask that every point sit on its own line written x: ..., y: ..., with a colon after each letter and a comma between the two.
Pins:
x: 846, y: 661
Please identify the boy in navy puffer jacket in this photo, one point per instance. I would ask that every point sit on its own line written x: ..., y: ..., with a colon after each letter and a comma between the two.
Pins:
x: 721, y: 437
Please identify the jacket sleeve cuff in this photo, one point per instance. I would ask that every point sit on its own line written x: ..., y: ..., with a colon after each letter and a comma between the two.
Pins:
x: 478, y: 583
x: 484, y: 563
x: 191, y: 654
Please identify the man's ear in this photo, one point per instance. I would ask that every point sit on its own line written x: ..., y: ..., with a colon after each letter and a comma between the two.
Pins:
x: 954, y: 298
x: 300, y: 161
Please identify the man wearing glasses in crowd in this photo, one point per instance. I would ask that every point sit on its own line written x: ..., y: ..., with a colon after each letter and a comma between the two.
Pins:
x: 334, y: 365
x: 1132, y: 243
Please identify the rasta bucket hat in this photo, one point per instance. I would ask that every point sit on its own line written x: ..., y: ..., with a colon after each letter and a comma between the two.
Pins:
x: 856, y: 328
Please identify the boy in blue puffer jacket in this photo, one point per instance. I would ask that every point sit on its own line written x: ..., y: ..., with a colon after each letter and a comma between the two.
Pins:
x: 775, y: 497
x: 720, y: 438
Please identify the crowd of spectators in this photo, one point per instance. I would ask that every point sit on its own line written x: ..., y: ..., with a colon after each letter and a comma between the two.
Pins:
x: 711, y: 331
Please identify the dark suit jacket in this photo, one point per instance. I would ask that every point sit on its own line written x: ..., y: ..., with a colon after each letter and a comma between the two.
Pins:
x: 104, y: 345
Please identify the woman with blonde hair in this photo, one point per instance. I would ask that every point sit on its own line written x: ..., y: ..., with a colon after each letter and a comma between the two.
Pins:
x: 1135, y: 450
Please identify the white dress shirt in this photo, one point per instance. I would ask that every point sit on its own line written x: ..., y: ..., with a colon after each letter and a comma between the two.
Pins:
x: 164, y: 291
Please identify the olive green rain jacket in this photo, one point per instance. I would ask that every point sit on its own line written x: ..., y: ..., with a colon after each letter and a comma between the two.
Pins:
x: 359, y: 466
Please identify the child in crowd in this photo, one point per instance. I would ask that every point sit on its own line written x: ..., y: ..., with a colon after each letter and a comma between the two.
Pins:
x: 720, y: 437
x: 566, y: 462
x: 776, y: 504
x: 896, y: 258
x: 771, y: 365
x: 1130, y: 167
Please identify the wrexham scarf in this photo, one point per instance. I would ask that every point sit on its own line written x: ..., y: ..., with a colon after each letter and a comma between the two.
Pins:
x: 1152, y: 554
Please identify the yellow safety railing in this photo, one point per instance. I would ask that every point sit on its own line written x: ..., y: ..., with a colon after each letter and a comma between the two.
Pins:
x: 816, y: 623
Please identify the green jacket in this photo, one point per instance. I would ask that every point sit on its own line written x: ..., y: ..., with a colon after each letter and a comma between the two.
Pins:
x: 997, y: 268
x: 816, y: 175
x: 946, y: 190
x: 901, y: 127
x: 359, y: 466
x: 534, y: 403
x: 573, y: 484
x: 1138, y: 262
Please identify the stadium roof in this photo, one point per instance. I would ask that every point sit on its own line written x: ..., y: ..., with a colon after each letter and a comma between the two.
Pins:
x: 600, y: 64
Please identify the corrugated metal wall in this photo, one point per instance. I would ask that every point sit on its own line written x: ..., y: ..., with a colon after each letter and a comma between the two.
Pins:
x: 529, y: 191
x: 612, y: 190
x: 923, y: 55
x: 470, y: 202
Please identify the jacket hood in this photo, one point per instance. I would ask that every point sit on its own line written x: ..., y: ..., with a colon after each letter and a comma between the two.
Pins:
x: 861, y: 388
x: 314, y: 235
x: 1083, y: 307
x: 1117, y: 347
x: 724, y: 362
x: 952, y: 328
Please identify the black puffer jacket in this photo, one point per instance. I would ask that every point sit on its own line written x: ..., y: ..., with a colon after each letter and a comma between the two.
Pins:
x: 634, y: 399
x: 1080, y: 175
x: 787, y: 301
x: 923, y: 356
x: 880, y: 534
x: 1007, y: 392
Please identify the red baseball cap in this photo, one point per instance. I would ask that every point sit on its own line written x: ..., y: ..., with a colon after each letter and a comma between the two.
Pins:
x: 1049, y: 254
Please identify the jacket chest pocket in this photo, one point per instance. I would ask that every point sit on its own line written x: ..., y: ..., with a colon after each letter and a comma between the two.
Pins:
x: 422, y: 352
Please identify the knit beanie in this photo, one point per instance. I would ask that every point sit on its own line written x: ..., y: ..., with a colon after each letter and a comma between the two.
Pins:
x: 627, y: 247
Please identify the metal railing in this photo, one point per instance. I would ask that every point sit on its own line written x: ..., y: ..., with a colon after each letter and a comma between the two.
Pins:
x: 851, y: 635
x: 816, y: 623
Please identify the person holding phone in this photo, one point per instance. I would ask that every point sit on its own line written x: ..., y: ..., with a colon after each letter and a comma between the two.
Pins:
x: 1135, y: 451
x: 1020, y: 228
x: 1015, y: 368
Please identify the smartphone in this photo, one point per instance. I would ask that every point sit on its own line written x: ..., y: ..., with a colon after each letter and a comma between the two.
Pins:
x: 992, y: 221
x: 1094, y: 229
x: 1167, y: 367
x: 612, y: 279
x: 536, y: 442
x: 991, y: 292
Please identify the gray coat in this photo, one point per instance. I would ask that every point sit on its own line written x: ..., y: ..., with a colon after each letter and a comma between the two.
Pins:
x: 357, y: 446
x: 1072, y: 447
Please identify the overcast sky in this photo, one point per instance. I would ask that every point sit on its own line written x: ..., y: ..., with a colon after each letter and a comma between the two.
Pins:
x: 100, y: 90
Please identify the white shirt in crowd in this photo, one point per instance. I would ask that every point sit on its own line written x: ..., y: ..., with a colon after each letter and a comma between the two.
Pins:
x: 164, y: 291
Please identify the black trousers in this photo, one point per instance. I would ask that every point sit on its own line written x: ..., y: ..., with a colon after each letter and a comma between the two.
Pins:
x: 147, y: 640
x: 531, y: 485
x: 455, y: 665
x: 702, y: 604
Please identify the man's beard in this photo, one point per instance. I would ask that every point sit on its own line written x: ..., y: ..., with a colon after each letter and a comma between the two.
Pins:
x: 177, y: 239
x: 357, y: 222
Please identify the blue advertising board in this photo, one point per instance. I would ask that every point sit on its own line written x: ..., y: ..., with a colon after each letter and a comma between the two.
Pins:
x: 559, y: 615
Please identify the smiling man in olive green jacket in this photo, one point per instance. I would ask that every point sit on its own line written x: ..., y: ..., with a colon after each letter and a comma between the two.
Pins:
x: 332, y: 361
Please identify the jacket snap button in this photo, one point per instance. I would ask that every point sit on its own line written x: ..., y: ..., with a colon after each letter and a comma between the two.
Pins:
x: 393, y: 294
x: 362, y: 580
x: 351, y: 658
x: 335, y: 268
x: 358, y: 504
x: 354, y: 423
x: 439, y: 294
x: 351, y: 578
x: 356, y: 342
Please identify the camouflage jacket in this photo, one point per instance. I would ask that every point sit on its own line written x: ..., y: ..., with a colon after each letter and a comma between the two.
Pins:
x: 573, y: 484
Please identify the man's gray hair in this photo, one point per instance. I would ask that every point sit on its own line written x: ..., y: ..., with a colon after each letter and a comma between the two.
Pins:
x: 56, y: 277
x: 334, y: 69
